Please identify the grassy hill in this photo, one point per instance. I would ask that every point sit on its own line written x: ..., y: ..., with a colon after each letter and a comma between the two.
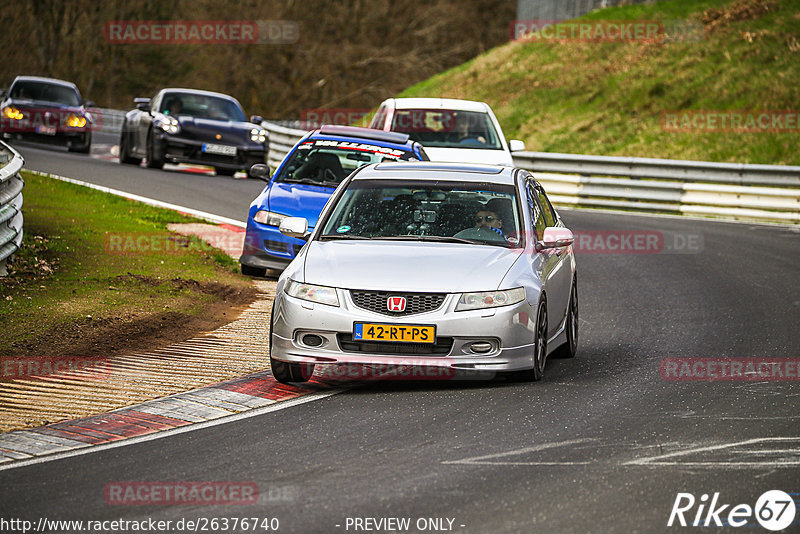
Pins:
x: 607, y: 98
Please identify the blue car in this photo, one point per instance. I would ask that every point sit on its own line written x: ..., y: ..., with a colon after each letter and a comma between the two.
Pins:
x: 304, y: 181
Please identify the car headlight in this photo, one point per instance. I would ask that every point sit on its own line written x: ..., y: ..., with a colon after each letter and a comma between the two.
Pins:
x: 258, y: 135
x: 168, y: 124
x: 269, y: 218
x: 75, y: 121
x: 13, y: 113
x: 490, y: 299
x: 310, y: 292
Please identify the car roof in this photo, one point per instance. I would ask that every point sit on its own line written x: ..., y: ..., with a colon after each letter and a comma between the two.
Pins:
x: 364, y: 133
x: 439, y: 103
x: 435, y: 170
x: 196, y: 92
x: 42, y: 79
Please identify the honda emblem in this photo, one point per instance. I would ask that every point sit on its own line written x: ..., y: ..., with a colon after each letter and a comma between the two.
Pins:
x: 396, y: 304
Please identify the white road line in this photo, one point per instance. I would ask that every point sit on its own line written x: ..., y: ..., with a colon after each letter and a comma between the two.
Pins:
x: 174, y: 431
x: 662, y: 460
x: 486, y: 460
x: 150, y: 201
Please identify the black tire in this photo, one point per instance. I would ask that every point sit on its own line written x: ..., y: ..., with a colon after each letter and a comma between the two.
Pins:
x: 85, y: 147
x: 224, y: 172
x: 570, y: 347
x: 540, y: 351
x: 153, y: 161
x: 125, y: 150
x: 253, y: 271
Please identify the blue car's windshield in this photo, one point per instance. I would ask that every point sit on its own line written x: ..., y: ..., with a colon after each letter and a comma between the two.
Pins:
x: 433, y: 210
x: 201, y: 107
x: 328, y: 162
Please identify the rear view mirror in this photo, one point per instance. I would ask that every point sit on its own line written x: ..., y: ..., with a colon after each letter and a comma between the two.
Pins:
x: 555, y: 237
x: 294, y: 227
x: 515, y: 145
x: 142, y: 103
x: 260, y: 171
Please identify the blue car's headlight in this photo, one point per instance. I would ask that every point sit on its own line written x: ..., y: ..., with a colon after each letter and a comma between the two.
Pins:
x: 490, y: 299
x: 258, y: 135
x: 313, y: 293
x: 269, y: 218
x: 168, y: 124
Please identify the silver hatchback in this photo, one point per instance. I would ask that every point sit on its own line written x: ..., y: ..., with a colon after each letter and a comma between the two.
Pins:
x: 453, y: 269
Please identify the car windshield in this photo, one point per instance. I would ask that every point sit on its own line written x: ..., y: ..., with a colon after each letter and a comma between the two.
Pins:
x: 45, y: 92
x: 327, y: 162
x: 447, y: 128
x: 431, y: 210
x: 201, y: 107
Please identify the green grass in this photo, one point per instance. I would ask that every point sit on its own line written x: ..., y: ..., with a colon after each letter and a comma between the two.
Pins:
x: 608, y: 98
x: 67, y: 273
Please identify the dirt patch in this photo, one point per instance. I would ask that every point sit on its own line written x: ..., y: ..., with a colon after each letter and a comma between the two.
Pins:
x: 714, y: 18
x: 142, y: 331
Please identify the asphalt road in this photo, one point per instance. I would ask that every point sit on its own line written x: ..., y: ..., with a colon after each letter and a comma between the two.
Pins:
x: 603, y: 444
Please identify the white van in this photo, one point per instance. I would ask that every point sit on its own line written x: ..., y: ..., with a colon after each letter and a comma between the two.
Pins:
x: 450, y: 130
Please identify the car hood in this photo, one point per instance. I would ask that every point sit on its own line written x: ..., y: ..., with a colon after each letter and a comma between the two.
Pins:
x: 469, y: 155
x: 43, y: 104
x: 298, y: 200
x: 407, y: 266
x: 208, y: 129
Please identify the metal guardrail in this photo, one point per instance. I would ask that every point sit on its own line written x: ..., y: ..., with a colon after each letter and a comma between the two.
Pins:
x: 728, y: 190
x: 108, y: 120
x: 11, y: 184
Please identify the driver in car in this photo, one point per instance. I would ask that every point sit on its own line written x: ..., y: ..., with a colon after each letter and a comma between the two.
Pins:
x: 488, y: 219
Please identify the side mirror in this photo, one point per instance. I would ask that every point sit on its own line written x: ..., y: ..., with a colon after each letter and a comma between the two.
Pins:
x: 515, y: 145
x: 3, y: 93
x: 555, y: 237
x: 260, y: 171
x: 294, y: 227
x: 142, y: 104
x: 257, y: 119
x: 88, y: 103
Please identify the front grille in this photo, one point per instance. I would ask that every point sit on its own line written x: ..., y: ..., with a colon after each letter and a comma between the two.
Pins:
x: 276, y: 246
x: 442, y: 346
x: 375, y: 301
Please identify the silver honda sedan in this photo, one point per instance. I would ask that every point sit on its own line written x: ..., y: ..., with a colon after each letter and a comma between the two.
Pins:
x: 428, y: 270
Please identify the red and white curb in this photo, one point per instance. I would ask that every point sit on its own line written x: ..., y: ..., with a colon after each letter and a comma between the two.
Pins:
x: 213, y: 403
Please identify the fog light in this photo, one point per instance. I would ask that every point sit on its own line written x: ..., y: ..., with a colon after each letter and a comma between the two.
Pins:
x: 312, y: 340
x: 481, y: 347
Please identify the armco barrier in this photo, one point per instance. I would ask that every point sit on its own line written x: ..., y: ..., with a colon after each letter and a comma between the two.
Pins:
x: 729, y: 190
x: 10, y: 204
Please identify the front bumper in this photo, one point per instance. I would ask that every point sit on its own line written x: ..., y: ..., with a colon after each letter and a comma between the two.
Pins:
x: 175, y: 149
x: 63, y: 137
x: 510, y: 330
x: 266, y: 248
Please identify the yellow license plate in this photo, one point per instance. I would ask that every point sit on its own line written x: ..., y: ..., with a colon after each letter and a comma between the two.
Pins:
x: 400, y: 333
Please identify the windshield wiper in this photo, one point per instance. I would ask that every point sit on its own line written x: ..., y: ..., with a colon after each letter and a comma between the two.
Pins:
x: 309, y: 181
x: 343, y: 236
x: 433, y: 238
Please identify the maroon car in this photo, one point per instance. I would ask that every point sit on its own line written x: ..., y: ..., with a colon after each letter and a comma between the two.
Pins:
x: 46, y: 110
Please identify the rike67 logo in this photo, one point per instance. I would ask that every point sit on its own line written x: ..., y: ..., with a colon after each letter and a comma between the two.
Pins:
x: 775, y: 510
